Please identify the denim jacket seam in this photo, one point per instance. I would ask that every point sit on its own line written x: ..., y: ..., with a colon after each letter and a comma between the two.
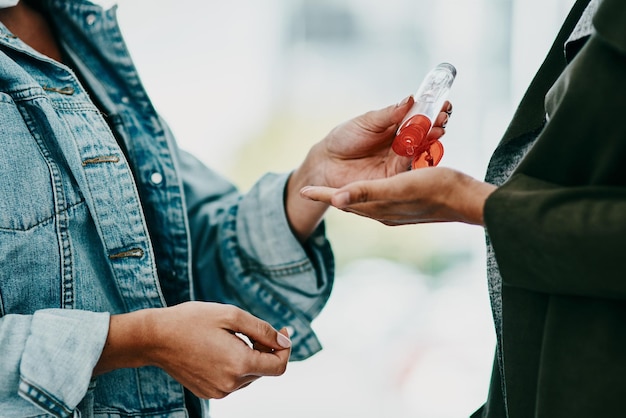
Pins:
x: 287, y: 269
x: 27, y: 93
x: 249, y: 264
x: 44, y: 221
x: 36, y: 395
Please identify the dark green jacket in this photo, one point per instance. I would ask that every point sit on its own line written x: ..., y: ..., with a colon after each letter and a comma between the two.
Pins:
x: 558, y: 227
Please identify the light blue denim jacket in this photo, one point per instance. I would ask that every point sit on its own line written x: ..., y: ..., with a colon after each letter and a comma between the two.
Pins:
x: 89, y: 228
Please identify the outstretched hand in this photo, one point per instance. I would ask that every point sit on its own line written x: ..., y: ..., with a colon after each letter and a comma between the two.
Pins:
x: 359, y: 149
x: 434, y: 194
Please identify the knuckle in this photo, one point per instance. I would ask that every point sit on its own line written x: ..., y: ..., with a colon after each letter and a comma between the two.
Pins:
x: 264, y: 328
x: 229, y: 388
x: 231, y: 313
x: 362, y: 195
x: 281, y: 369
x: 206, y: 393
x: 226, y: 386
x: 218, y: 394
x: 239, y: 369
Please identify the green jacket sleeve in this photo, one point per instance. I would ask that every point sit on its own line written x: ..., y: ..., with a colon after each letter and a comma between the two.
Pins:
x: 559, y: 224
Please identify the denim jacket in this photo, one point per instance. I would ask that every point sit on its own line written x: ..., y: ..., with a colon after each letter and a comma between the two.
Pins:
x: 101, y: 213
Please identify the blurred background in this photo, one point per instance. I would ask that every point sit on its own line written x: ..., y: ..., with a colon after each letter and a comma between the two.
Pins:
x: 249, y: 86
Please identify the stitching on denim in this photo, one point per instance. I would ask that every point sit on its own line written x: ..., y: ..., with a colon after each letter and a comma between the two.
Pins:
x: 43, y: 399
x: 278, y: 271
x: 45, y: 220
x: 59, y: 196
x: 111, y: 411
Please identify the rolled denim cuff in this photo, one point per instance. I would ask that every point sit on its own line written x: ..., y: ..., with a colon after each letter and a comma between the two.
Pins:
x: 301, y: 274
x: 59, y: 357
x: 262, y: 227
x: 265, y: 236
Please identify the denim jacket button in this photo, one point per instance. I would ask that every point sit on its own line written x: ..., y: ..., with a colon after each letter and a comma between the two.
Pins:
x: 90, y: 19
x: 156, y: 178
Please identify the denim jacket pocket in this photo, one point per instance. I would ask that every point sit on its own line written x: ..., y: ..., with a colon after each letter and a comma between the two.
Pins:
x: 32, y: 186
x: 39, y: 196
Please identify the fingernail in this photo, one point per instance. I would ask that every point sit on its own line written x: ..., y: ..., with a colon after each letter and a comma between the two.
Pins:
x: 303, y: 192
x: 342, y: 199
x: 283, y: 341
x: 289, y: 330
x: 403, y: 102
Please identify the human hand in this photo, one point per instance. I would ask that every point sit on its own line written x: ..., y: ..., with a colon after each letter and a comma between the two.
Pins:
x: 433, y: 194
x: 196, y: 344
x: 359, y: 149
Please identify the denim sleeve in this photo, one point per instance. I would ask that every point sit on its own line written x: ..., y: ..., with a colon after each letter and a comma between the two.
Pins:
x: 246, y: 254
x: 47, y: 360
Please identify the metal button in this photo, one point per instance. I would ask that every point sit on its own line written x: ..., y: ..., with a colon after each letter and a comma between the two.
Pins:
x: 156, y: 178
x: 90, y: 19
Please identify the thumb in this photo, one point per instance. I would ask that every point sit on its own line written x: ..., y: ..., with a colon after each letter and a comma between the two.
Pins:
x: 260, y: 347
x: 357, y: 192
x: 360, y: 192
x: 260, y: 331
x: 380, y: 120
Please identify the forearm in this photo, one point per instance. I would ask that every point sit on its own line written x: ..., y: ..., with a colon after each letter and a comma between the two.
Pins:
x: 561, y: 240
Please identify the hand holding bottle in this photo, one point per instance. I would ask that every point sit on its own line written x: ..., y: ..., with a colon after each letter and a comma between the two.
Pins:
x: 412, y: 136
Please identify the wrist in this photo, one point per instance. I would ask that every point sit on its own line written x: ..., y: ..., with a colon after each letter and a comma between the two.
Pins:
x: 471, y: 199
x: 304, y: 215
x: 312, y: 169
x: 128, y: 342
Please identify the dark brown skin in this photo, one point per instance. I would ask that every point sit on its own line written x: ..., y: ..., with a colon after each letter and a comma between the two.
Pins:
x: 30, y: 26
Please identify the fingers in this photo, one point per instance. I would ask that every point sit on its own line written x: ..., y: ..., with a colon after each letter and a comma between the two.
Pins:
x: 264, y: 361
x: 360, y: 192
x: 398, y: 111
x: 357, y: 192
x: 265, y: 349
x: 275, y: 364
x: 390, y: 189
x: 441, y: 121
x: 444, y: 116
x: 318, y: 193
x: 257, y: 330
x: 272, y: 348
